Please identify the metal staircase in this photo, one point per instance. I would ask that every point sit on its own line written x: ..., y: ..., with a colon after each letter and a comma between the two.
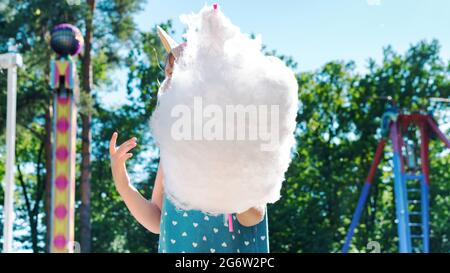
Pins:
x: 418, y: 222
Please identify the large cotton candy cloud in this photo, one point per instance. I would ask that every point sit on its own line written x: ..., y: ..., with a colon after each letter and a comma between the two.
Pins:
x: 225, y: 125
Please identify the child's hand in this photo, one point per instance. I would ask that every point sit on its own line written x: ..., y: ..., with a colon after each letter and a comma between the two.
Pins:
x: 145, y: 211
x: 251, y: 217
x: 119, y: 155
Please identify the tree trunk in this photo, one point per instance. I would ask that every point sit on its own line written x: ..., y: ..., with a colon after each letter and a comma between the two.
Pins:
x: 33, y: 211
x: 48, y: 172
x: 85, y: 191
x: 29, y: 210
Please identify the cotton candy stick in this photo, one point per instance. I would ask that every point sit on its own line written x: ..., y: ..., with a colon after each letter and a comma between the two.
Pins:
x: 230, y: 222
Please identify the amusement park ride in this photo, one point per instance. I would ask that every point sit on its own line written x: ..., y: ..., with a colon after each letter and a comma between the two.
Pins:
x: 411, y: 177
x: 405, y: 130
x: 66, y: 41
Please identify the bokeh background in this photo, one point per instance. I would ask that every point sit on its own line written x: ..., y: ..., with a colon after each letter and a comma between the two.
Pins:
x: 348, y: 55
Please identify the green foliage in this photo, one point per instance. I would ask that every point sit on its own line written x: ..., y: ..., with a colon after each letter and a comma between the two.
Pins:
x: 338, y: 130
x: 27, y: 23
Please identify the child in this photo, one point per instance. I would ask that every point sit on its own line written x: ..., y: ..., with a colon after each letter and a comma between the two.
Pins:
x: 185, y: 231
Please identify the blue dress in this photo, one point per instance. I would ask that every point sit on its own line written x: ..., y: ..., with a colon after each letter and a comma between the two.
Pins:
x: 191, y: 231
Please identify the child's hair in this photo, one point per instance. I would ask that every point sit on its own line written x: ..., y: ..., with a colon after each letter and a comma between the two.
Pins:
x: 168, y: 58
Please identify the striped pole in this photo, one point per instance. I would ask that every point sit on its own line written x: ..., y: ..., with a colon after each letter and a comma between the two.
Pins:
x: 66, y: 40
x: 63, y: 172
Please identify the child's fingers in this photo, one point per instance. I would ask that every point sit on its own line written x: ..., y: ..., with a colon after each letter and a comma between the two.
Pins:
x: 131, y: 140
x: 126, y: 156
x: 126, y: 146
x: 112, y: 143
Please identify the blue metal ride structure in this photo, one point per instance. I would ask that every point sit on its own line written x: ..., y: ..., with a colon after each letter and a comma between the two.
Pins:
x: 411, y: 180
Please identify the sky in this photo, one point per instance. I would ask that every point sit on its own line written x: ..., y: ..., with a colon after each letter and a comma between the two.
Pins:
x: 317, y: 31
x: 313, y: 32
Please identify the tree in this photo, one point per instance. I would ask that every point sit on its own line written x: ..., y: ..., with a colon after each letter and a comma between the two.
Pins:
x: 28, y: 23
x: 338, y: 125
x: 338, y: 128
x: 116, y: 16
x: 85, y: 187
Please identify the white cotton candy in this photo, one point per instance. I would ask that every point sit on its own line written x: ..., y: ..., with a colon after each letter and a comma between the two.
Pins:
x: 221, y: 66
